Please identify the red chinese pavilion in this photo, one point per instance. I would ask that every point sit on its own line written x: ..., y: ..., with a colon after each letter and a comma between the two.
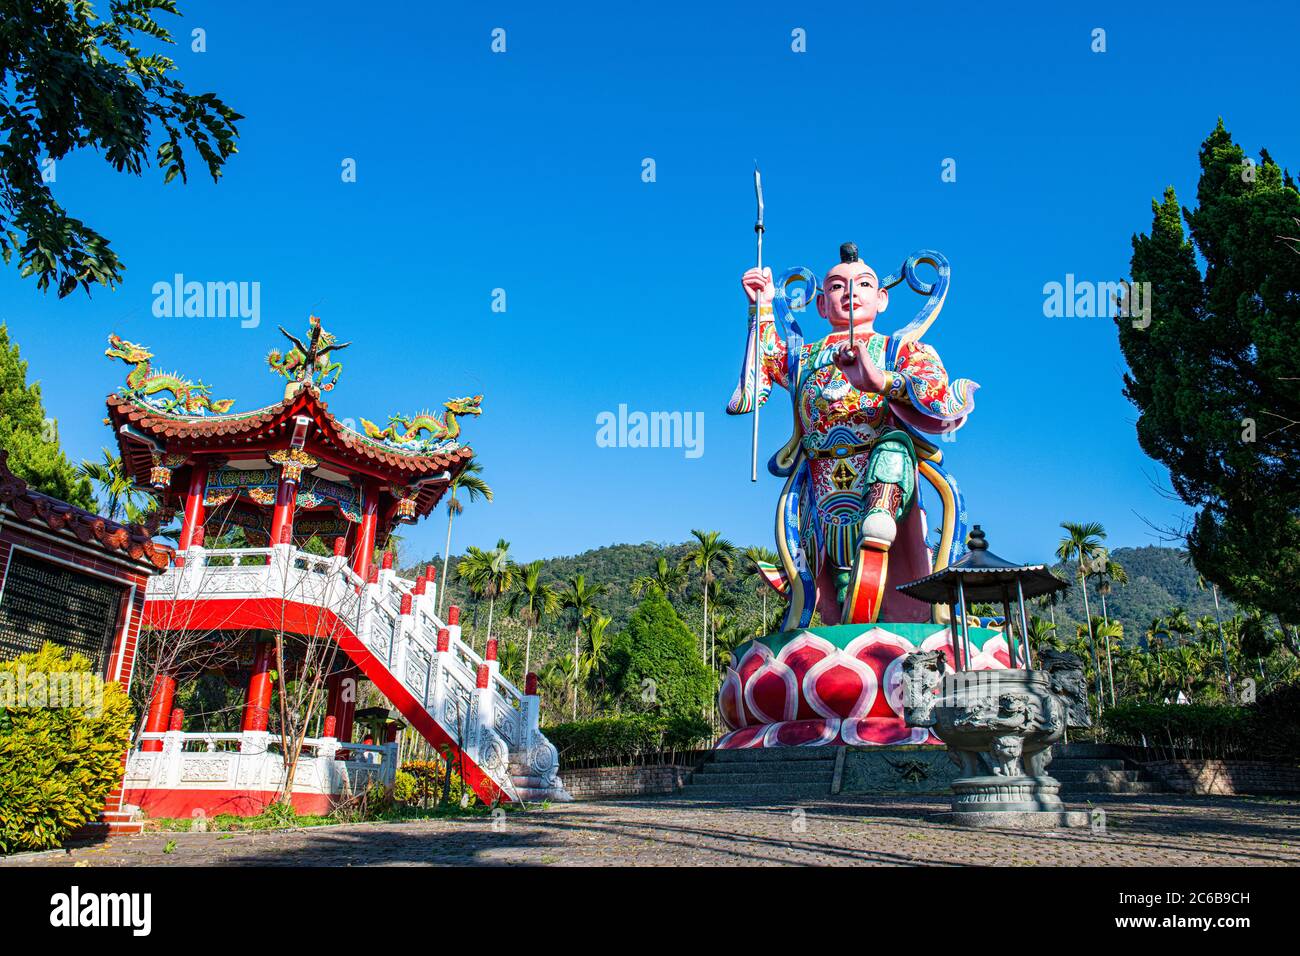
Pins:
x: 273, y: 481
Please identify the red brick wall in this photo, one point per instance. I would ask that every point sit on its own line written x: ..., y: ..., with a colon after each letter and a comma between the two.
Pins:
x: 1227, y: 777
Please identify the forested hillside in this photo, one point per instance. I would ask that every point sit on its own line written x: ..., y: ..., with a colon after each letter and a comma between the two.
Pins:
x: 1160, y: 579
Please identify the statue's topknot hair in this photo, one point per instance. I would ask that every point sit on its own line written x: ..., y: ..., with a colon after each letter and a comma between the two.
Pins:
x: 849, y: 252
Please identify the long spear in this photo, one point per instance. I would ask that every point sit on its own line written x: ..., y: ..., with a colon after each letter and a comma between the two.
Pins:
x: 758, y: 324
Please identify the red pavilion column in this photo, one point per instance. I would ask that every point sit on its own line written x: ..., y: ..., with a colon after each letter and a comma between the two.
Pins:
x: 347, y: 709
x: 195, y: 513
x: 257, y: 704
x: 363, y: 554
x: 160, y: 709
x: 286, y: 494
x: 333, y: 701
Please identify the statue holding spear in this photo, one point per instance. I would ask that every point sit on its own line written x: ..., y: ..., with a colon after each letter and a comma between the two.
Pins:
x: 866, y: 407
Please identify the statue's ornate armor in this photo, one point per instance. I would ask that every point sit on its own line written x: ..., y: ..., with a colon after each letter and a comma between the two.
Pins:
x: 858, y: 445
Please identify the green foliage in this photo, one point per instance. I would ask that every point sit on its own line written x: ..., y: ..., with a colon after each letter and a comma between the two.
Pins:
x: 1213, y: 375
x: 31, y: 441
x: 404, y: 787
x: 1276, y: 719
x: 57, y: 764
x: 1268, y: 729
x: 428, y: 780
x: 616, y: 739
x: 1180, y: 730
x: 654, y: 664
x: 70, y: 79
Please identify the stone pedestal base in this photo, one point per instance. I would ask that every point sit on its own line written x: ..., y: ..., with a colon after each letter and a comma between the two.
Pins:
x: 995, y: 794
x: 1016, y: 819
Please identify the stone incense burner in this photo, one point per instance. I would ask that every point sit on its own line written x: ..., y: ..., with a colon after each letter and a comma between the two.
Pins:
x: 999, y: 726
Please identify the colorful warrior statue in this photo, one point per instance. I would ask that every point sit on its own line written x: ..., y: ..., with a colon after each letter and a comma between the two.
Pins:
x: 849, y: 525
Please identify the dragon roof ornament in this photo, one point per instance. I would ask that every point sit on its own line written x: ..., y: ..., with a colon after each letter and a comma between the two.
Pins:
x: 309, y: 365
x: 146, y: 386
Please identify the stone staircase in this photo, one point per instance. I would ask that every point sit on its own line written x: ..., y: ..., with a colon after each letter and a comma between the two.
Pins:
x: 788, y: 775
x: 764, y: 777
x: 1087, y: 768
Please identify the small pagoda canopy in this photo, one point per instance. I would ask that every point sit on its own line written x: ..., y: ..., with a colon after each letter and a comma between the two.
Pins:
x: 980, y: 575
x: 286, y: 472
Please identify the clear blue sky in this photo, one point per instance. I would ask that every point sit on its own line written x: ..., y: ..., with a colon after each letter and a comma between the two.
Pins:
x: 523, y: 171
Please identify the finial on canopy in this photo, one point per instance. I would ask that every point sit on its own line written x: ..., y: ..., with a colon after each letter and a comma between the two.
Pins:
x: 976, y: 540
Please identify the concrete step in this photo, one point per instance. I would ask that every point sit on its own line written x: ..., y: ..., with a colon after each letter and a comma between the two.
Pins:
x: 1071, y: 788
x: 1082, y: 764
x: 759, y: 794
x: 767, y: 754
x: 821, y: 777
x: 1085, y: 750
x: 764, y: 767
x: 1096, y: 776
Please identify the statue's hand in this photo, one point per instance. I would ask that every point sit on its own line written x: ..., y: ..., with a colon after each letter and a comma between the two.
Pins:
x: 758, y: 283
x: 860, y: 369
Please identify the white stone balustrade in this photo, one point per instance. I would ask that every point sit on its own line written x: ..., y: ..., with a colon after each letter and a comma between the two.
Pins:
x: 395, y: 619
x: 253, y: 761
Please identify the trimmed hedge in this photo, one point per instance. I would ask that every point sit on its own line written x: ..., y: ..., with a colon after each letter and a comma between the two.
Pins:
x: 57, y: 764
x: 1206, y: 730
x: 1268, y: 729
x: 619, y: 738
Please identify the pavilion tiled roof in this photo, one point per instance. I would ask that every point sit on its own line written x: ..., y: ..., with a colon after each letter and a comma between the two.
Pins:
x: 134, y: 542
x: 231, y: 430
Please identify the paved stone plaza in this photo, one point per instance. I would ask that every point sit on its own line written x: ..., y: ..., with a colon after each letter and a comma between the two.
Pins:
x: 672, y: 831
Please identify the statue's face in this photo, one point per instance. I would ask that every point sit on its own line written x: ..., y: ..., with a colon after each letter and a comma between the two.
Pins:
x: 869, y: 299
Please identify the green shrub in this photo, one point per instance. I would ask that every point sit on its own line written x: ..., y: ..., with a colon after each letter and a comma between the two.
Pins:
x: 1275, y: 724
x: 1180, y: 730
x: 655, y: 662
x: 57, y: 764
x: 617, y: 739
x: 404, y: 787
x: 1268, y: 729
x: 429, y: 777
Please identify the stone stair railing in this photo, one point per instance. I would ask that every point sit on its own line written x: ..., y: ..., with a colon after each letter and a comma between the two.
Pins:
x: 494, y: 724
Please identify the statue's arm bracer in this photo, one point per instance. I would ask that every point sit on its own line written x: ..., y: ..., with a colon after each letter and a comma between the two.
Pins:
x: 772, y: 365
x: 920, y: 381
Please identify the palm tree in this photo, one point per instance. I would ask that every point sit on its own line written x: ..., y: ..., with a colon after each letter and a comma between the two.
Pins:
x: 1110, y: 572
x: 1042, y: 634
x: 1158, y: 627
x: 532, y: 603
x: 1107, y: 630
x: 666, y: 579
x: 470, y: 479
x: 597, y: 656
x: 1218, y: 620
x: 558, y: 677
x: 1143, y: 670
x: 756, y: 556
x: 580, y: 598
x: 1186, y: 668
x: 119, y: 499
x: 1083, y: 543
x: 1178, y: 623
x: 489, y: 574
x: 710, y: 551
